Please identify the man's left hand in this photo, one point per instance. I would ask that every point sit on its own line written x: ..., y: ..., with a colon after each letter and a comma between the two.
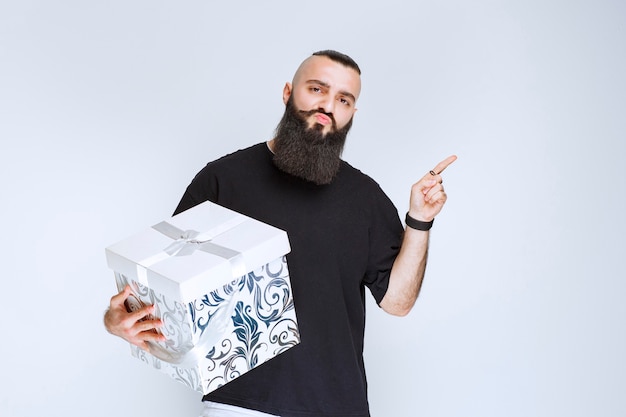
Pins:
x: 428, y: 195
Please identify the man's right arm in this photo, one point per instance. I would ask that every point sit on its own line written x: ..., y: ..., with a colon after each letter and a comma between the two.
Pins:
x: 137, y: 327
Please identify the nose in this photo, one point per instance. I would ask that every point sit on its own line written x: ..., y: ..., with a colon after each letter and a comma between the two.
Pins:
x: 327, y: 104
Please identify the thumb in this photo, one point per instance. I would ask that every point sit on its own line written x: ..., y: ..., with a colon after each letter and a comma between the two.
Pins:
x: 118, y: 299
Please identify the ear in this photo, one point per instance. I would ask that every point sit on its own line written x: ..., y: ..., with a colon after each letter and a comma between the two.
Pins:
x: 286, y: 92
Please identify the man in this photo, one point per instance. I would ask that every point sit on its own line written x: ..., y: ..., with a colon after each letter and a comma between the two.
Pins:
x: 345, y: 235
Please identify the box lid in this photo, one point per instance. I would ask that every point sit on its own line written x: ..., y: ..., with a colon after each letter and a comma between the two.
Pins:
x: 196, y: 251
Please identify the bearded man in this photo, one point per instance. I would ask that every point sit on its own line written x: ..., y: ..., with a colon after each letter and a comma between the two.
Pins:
x: 345, y: 236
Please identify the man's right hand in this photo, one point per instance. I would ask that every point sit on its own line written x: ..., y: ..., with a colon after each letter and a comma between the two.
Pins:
x: 137, y: 327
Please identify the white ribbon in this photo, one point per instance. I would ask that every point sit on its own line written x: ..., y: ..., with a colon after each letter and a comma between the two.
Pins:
x: 187, y: 242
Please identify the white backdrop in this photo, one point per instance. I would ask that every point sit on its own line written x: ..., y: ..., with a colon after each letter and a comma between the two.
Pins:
x: 108, y: 109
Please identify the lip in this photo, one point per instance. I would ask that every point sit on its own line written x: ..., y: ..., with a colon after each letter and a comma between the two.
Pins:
x: 323, y: 119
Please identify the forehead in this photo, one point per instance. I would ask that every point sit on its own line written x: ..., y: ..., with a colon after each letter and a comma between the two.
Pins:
x: 335, y: 74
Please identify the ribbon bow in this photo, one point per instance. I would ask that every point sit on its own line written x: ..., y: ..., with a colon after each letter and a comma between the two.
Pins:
x: 186, y: 244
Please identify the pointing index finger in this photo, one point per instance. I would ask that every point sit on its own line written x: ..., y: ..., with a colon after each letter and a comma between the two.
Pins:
x: 441, y: 166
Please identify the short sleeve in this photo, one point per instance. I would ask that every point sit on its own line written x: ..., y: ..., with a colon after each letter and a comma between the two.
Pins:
x: 385, y: 238
x: 203, y: 187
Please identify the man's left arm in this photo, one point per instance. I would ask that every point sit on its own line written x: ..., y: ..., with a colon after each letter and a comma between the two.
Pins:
x: 407, y: 273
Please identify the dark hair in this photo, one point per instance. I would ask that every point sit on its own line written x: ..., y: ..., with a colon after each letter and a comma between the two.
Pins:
x: 339, y: 57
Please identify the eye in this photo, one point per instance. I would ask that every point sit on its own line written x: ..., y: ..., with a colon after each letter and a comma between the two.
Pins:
x: 345, y: 102
x: 315, y: 89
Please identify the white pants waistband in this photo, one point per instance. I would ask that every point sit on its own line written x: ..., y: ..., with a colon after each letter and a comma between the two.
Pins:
x: 213, y: 409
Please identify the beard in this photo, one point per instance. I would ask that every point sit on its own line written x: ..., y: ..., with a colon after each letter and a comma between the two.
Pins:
x: 307, y: 152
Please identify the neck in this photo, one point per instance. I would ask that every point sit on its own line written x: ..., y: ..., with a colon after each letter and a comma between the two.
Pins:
x: 270, y: 145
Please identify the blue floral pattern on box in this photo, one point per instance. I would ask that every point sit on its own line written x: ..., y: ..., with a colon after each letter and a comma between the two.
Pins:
x: 224, y: 333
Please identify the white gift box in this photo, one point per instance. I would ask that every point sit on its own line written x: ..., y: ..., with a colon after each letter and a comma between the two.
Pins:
x: 220, y: 283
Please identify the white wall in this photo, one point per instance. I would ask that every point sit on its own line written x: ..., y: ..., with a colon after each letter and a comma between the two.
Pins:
x: 107, y: 110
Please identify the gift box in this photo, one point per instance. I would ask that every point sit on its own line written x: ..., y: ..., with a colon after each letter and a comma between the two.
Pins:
x: 220, y: 283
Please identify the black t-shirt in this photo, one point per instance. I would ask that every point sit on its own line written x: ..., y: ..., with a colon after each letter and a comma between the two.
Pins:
x: 344, y: 237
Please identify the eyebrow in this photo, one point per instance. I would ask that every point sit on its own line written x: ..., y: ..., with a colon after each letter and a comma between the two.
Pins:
x: 326, y: 85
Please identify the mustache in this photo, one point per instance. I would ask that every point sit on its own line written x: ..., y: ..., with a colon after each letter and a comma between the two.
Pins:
x: 307, y: 113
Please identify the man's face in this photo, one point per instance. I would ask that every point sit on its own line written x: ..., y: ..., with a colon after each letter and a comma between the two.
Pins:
x: 318, y: 115
x: 328, y: 90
